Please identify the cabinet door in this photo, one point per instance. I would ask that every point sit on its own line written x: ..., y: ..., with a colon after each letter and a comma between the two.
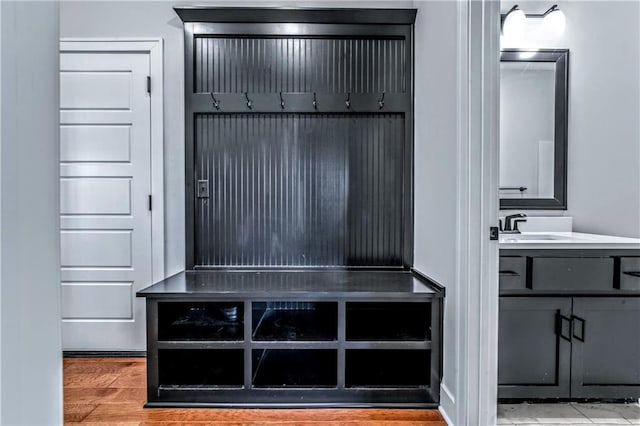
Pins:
x: 533, y: 357
x: 606, y: 348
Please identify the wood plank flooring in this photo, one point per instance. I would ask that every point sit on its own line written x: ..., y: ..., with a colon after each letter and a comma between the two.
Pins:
x: 112, y: 391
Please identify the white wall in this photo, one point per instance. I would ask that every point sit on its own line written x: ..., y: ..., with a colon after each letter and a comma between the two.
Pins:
x: 436, y: 174
x: 157, y: 19
x: 30, y: 337
x: 604, y: 105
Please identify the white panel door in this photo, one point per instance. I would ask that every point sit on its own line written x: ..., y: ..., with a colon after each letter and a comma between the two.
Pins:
x: 105, y: 182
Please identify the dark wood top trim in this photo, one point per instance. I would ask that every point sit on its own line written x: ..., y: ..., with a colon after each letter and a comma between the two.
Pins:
x: 296, y: 15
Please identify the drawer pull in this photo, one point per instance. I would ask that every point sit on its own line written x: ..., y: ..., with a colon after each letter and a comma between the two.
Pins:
x: 632, y: 273
x: 582, y: 325
x: 510, y: 273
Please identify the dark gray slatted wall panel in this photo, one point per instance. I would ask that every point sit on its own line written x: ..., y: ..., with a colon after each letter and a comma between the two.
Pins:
x: 299, y: 189
x: 273, y: 65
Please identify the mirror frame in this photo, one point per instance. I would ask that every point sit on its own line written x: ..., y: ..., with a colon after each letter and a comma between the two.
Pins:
x: 561, y: 59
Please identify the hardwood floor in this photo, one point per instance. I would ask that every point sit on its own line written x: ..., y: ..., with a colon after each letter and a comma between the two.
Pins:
x: 111, y: 392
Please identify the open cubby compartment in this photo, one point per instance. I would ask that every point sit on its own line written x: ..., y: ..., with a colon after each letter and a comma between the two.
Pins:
x: 388, y: 321
x: 387, y: 368
x: 295, y: 368
x: 183, y: 321
x: 295, y: 321
x: 206, y: 368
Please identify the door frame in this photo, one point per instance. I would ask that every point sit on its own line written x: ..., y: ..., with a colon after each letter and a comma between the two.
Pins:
x: 154, y: 48
x: 474, y: 400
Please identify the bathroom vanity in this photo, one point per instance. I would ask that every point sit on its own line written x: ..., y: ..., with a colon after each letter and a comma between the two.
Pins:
x: 569, y: 320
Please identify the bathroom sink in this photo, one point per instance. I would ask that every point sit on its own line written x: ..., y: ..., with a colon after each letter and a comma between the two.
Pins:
x: 533, y: 237
x: 561, y: 239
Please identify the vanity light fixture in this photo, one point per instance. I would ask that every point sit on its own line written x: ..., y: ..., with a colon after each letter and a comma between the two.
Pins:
x: 514, y: 22
x: 554, y: 21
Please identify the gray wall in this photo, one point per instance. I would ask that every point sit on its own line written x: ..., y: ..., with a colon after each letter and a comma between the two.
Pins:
x: 157, y: 19
x: 436, y: 173
x: 30, y: 336
x: 604, y: 106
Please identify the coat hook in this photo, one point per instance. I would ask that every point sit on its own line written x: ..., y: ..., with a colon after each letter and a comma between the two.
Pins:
x: 249, y: 103
x: 216, y: 103
x: 315, y: 102
x: 381, y: 102
x: 281, y: 101
x: 348, y: 102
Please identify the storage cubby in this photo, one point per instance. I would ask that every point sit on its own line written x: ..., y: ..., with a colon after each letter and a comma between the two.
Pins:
x: 296, y: 368
x: 201, y: 367
x: 383, y: 321
x: 387, y: 368
x: 370, y: 338
x: 184, y: 321
x: 295, y: 321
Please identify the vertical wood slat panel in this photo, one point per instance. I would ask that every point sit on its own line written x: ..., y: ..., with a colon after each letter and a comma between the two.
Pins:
x: 298, y: 190
x: 225, y: 65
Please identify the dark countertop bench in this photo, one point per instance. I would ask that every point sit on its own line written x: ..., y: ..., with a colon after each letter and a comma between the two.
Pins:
x: 295, y: 283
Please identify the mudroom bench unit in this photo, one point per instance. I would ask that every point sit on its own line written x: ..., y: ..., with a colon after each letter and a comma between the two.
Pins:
x: 299, y: 287
x: 294, y: 338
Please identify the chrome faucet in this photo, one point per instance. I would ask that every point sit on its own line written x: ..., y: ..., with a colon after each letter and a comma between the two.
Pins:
x: 511, y: 223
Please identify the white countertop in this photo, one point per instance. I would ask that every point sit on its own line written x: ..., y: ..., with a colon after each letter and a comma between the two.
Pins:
x: 565, y: 240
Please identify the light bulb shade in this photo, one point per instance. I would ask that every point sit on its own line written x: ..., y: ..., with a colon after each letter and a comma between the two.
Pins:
x: 553, y: 23
x: 514, y: 25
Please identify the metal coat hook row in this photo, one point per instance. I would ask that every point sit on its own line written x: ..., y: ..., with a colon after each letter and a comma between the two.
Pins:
x: 348, y: 101
x: 216, y: 103
x: 381, y: 102
x: 249, y: 103
x: 281, y: 101
x: 315, y: 102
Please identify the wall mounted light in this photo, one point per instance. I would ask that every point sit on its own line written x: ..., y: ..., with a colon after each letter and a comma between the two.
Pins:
x: 514, y: 22
x: 554, y: 21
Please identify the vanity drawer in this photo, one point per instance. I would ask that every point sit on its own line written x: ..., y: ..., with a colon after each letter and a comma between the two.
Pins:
x: 513, y: 272
x: 630, y: 273
x: 572, y: 273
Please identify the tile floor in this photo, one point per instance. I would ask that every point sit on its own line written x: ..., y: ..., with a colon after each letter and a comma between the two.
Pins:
x: 568, y: 414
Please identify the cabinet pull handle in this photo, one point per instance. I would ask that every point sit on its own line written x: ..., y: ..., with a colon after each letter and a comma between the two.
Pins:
x: 573, y: 328
x: 632, y: 273
x: 510, y: 273
x: 559, y: 320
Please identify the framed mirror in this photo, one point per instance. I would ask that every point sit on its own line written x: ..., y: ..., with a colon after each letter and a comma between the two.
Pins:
x: 533, y: 128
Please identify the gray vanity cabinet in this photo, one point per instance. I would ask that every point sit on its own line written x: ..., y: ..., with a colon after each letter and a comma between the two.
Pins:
x: 605, y: 354
x: 534, y: 358
x: 569, y: 324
